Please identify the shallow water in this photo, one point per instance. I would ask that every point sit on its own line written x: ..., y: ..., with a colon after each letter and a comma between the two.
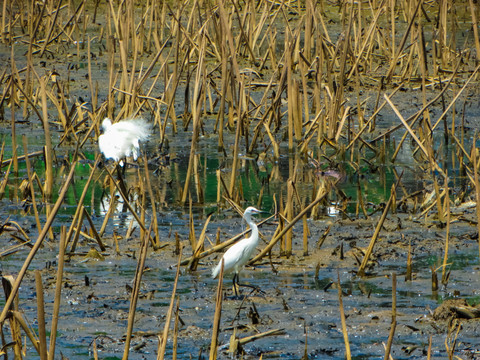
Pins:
x: 294, y: 300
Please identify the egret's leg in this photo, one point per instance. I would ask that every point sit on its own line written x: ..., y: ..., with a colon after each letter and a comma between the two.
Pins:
x: 235, y: 282
x: 255, y: 288
x: 120, y: 175
x: 135, y: 149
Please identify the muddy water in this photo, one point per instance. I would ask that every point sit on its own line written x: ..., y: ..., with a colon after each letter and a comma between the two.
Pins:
x: 95, y: 295
x: 297, y: 299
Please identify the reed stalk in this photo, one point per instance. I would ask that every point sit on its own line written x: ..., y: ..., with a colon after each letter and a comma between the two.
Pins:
x: 224, y: 244
x: 4, y: 182
x: 30, y: 182
x: 236, y: 344
x: 290, y: 92
x: 191, y: 227
x: 289, y: 217
x: 110, y: 211
x: 42, y: 334
x: 162, y: 344
x: 218, y: 314
x: 78, y: 211
x: 58, y: 293
x: 400, y: 47
x: 153, y: 204
x: 48, y: 143
x: 438, y: 198
x: 414, y: 118
x: 281, y: 225
x: 360, y: 201
x: 126, y: 201
x: 199, y: 246
x: 348, y: 354
x: 445, y: 275
x: 15, y: 322
x: 394, y: 317
x: 361, y: 269
x: 408, y: 273
x: 473, y: 11
x: 236, y: 147
x: 93, y: 94
x: 277, y: 237
x: 417, y: 140
x: 338, y: 99
x: 13, y: 127
x: 175, y: 330
x: 196, y: 115
x: 306, y: 233
x: 96, y: 235
x: 476, y: 182
x: 454, y: 100
x: 136, y: 291
x: 77, y: 230
x: 219, y: 125
x: 2, y: 30
x: 143, y: 200
x: 52, y: 25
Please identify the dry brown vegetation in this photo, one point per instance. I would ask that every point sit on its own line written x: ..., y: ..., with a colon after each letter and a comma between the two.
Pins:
x: 268, y: 78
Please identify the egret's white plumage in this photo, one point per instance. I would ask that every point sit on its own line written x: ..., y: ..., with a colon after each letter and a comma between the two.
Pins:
x: 239, y: 254
x: 123, y: 138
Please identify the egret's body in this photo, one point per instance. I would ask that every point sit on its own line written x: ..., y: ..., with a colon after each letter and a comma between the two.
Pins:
x: 123, y: 138
x: 240, y: 253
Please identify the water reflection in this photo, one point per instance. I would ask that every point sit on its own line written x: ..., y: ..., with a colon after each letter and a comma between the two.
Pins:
x: 293, y: 294
x: 262, y: 179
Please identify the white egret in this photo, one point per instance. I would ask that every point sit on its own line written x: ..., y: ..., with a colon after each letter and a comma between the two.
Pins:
x: 239, y: 254
x: 123, y: 138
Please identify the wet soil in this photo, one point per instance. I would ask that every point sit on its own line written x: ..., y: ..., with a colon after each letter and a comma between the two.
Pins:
x: 299, y: 294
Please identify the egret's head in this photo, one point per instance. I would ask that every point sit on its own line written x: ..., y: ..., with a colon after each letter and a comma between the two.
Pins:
x: 106, y: 124
x: 251, y: 210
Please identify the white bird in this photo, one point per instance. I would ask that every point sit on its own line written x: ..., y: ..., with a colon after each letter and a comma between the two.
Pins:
x: 123, y: 138
x: 239, y: 254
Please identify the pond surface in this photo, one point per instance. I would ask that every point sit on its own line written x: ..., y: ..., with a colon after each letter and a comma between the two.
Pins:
x: 95, y: 297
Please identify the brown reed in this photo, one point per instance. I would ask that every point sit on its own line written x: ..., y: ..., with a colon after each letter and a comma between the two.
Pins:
x: 277, y: 236
x: 16, y: 322
x: 79, y: 213
x: 218, y: 314
x: 136, y: 291
x: 208, y: 48
x: 42, y: 334
x: 196, y: 115
x: 199, y: 247
x: 58, y: 293
x: 388, y: 347
x: 162, y: 344
x: 361, y: 269
x: 30, y: 181
x: 446, y: 209
x: 348, y: 354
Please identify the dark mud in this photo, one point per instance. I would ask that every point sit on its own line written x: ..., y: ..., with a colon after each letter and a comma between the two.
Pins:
x: 300, y: 295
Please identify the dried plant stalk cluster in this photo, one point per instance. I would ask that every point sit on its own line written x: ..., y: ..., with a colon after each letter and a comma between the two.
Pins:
x: 308, y: 80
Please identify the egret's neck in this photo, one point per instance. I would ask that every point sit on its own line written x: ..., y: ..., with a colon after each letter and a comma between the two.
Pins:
x: 253, y: 226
